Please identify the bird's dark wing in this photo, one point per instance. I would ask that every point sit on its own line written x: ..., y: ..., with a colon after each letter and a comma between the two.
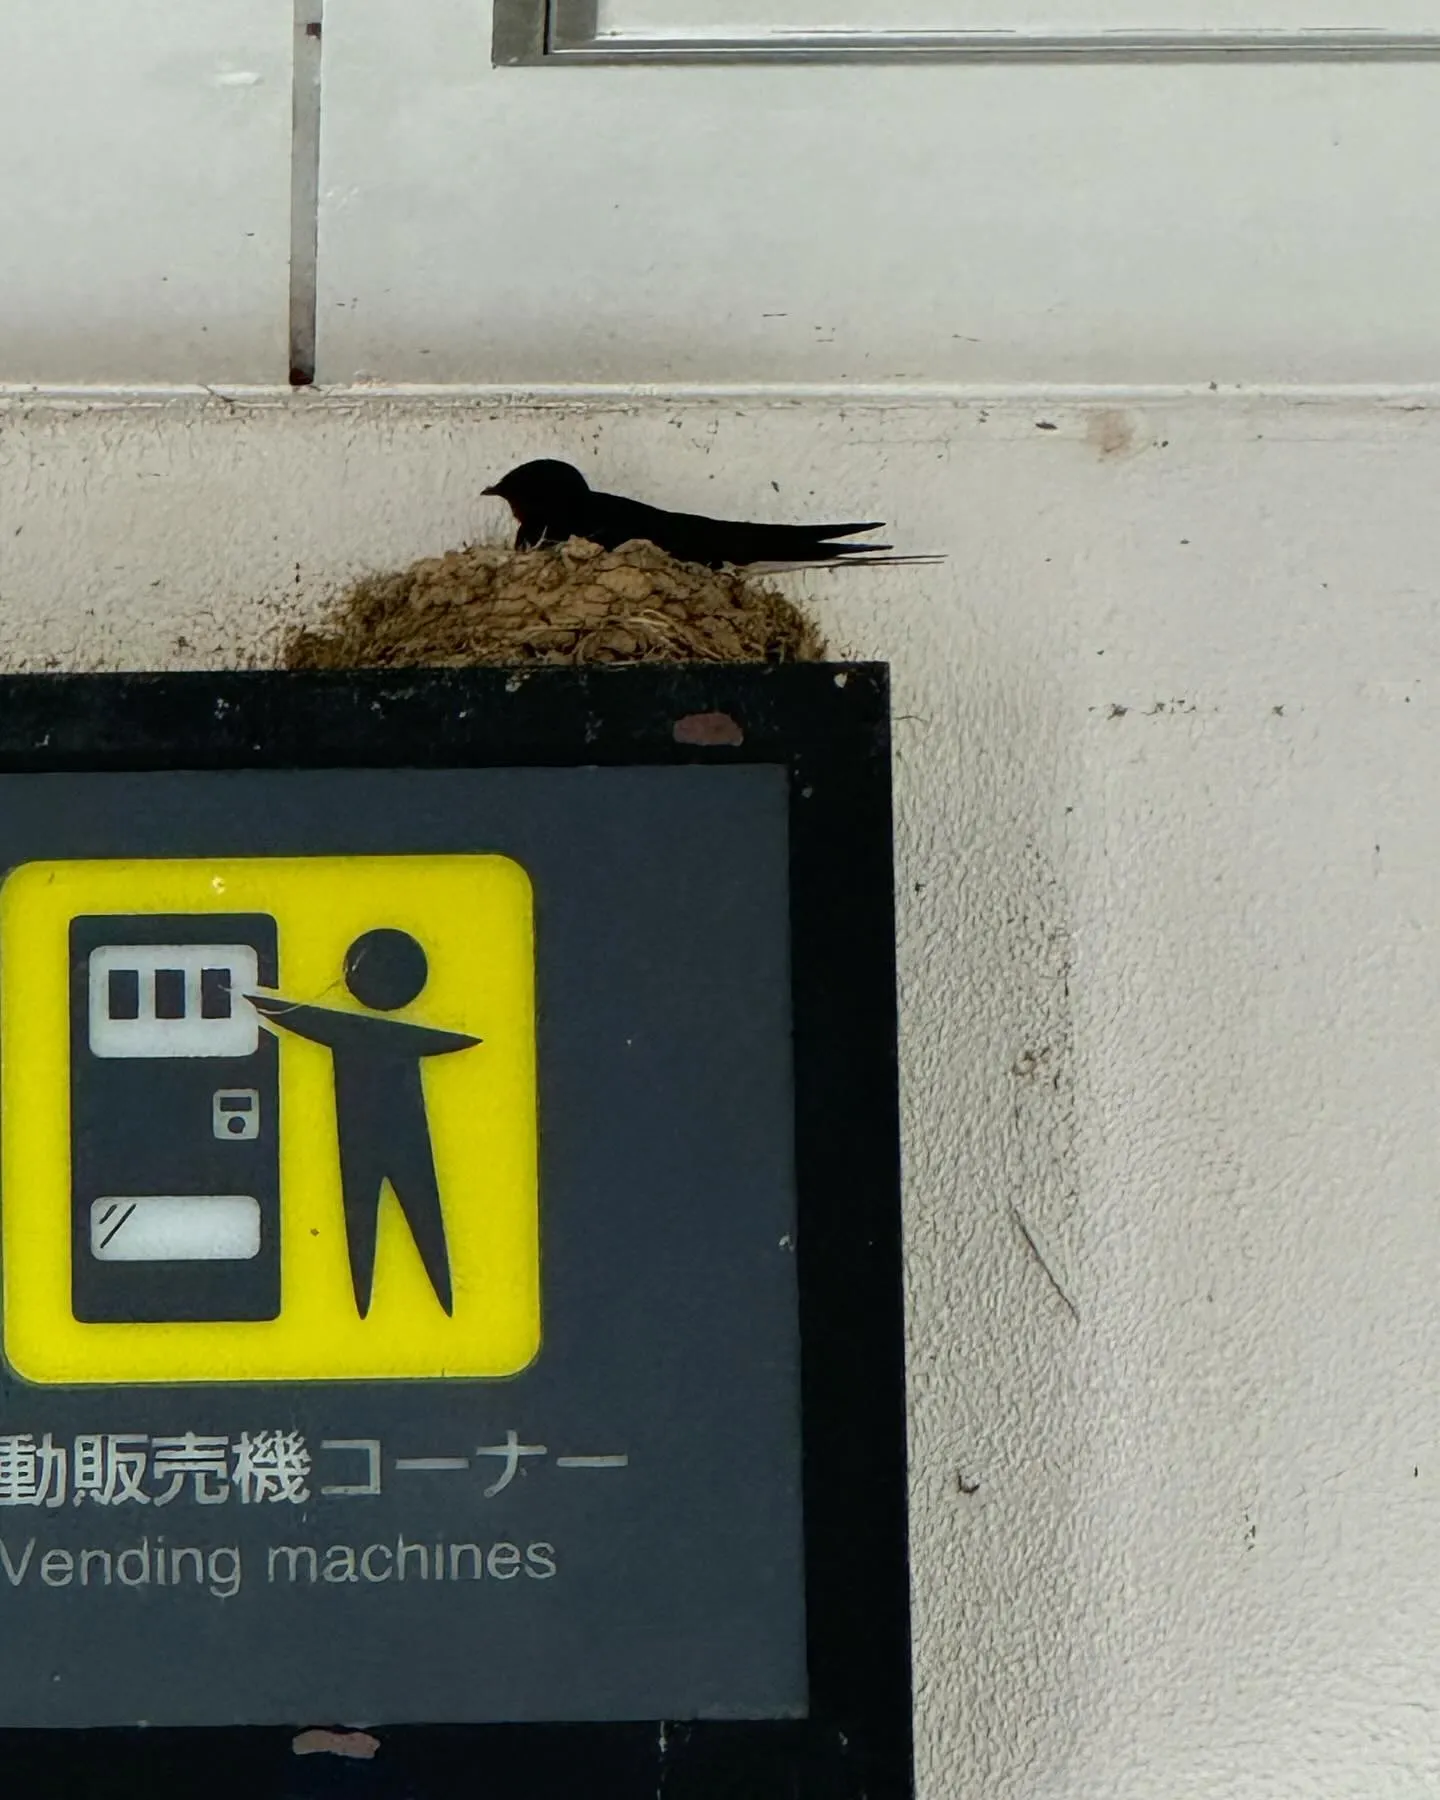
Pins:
x: 612, y: 520
x: 793, y: 543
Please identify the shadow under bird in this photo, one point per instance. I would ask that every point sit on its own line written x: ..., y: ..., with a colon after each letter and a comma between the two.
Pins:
x: 552, y: 501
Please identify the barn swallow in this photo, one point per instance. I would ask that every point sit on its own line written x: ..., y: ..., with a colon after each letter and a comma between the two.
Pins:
x: 552, y: 501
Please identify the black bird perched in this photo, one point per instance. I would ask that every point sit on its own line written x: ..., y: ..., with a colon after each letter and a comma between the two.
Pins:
x: 553, y: 501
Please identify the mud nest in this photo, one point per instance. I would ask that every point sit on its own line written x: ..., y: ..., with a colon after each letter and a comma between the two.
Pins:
x: 572, y: 603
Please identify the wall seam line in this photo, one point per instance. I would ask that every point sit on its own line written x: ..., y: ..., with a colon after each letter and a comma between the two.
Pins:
x: 306, y: 61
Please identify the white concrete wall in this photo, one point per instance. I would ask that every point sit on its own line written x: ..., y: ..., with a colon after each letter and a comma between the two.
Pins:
x: 1138, y: 223
x: 144, y: 190
x: 1134, y: 223
x: 1168, y: 772
x: 1168, y: 729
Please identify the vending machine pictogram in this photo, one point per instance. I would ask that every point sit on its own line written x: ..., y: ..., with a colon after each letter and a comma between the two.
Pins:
x: 269, y: 1118
x: 174, y: 1119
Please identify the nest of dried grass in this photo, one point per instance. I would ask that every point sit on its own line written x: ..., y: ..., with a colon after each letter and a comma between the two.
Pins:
x: 571, y: 603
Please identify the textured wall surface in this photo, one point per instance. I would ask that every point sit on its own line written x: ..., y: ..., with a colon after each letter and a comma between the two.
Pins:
x: 1168, y: 765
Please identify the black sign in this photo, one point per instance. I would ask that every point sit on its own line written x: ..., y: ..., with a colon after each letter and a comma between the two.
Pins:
x: 450, y: 1214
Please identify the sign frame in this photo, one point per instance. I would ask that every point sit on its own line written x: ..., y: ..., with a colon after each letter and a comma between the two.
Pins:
x: 828, y: 726
x: 565, y: 34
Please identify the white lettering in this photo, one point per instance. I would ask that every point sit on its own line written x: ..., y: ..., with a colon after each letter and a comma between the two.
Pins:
x: 539, y: 1561
x: 503, y: 1562
x: 13, y: 1575
x: 57, y: 1568
x: 365, y: 1569
x: 89, y: 1556
x: 340, y: 1563
x: 293, y: 1552
x: 143, y: 1554
x: 402, y: 1550
x: 474, y: 1552
x: 224, y: 1582
x: 177, y: 1563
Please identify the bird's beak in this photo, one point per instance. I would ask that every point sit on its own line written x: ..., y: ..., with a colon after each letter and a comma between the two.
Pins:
x: 490, y: 490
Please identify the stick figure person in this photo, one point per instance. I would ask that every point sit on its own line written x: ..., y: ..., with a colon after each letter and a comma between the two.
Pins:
x: 380, y: 1101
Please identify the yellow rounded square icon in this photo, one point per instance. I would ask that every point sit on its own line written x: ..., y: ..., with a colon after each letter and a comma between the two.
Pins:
x: 268, y: 1119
